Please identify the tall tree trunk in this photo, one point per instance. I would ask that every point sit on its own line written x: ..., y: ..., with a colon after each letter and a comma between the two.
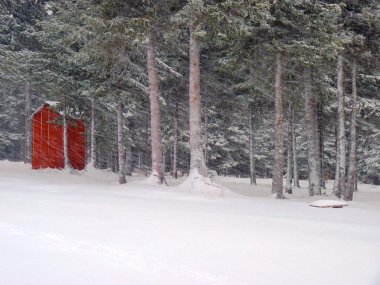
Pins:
x: 278, y: 164
x: 28, y: 124
x: 206, y: 135
x: 318, y: 145
x: 129, y: 148
x: 321, y: 145
x: 175, y: 142
x: 312, y: 135
x: 140, y: 161
x: 197, y: 161
x: 339, y: 186
x: 352, y: 168
x: 155, y: 117
x: 93, y: 135
x: 251, y: 148
x: 110, y: 161
x: 288, y: 187
x: 336, y: 176
x: 66, y: 159
x: 296, y: 180
x: 164, y: 160
x: 129, y: 160
x: 318, y: 158
x: 120, y: 141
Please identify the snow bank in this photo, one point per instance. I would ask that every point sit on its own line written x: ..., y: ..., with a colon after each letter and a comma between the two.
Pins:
x: 328, y: 204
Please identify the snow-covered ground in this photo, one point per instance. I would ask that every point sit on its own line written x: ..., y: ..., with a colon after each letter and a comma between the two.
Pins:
x: 59, y: 228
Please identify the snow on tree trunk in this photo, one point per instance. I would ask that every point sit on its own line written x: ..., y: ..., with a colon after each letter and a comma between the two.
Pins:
x: 157, y: 176
x: 288, y: 187
x: 352, y: 168
x: 196, y: 151
x: 28, y: 124
x: 296, y: 180
x: 278, y: 164
x: 93, y: 135
x: 251, y: 148
x: 120, y: 141
x: 339, y: 186
x: 175, y: 143
x: 312, y: 136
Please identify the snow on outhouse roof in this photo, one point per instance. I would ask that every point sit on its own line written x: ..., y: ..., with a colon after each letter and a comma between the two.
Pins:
x: 50, y: 103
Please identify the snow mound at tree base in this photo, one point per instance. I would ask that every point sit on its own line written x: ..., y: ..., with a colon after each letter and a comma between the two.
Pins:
x: 196, y: 183
x: 90, y: 168
x: 328, y: 204
x: 153, y: 180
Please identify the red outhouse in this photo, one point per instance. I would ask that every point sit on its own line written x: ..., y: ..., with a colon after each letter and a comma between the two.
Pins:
x: 48, y: 139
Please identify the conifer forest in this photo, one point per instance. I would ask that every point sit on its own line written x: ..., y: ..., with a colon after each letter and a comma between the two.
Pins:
x: 246, y: 88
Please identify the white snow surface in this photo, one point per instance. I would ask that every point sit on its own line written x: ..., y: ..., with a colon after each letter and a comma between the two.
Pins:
x: 85, y: 229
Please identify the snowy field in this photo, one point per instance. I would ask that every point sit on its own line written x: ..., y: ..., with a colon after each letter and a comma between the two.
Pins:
x: 62, y: 229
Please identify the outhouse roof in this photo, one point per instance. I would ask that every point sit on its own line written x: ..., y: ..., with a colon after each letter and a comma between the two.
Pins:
x: 50, y: 103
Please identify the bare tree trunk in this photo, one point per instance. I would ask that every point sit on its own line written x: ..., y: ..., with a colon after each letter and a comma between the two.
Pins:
x: 352, y: 168
x: 339, y: 186
x: 278, y: 164
x: 175, y: 142
x: 129, y: 160
x: 336, y: 176
x: 120, y: 141
x: 206, y: 135
x: 288, y: 187
x: 318, y: 147
x: 197, y: 161
x: 93, y: 135
x: 67, y: 164
x: 155, y: 117
x: 321, y: 146
x: 312, y: 136
x: 140, y: 161
x: 251, y: 148
x: 110, y: 161
x: 164, y: 160
x: 296, y: 180
x: 129, y: 148
x: 28, y: 124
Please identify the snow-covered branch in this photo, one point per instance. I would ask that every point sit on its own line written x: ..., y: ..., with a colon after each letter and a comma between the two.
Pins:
x: 167, y: 67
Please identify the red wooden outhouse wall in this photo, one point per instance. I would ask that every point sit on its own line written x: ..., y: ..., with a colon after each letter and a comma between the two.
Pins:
x: 48, y: 140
